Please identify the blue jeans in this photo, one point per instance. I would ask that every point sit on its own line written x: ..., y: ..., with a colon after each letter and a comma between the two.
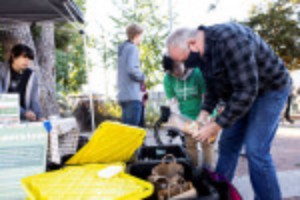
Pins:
x: 256, y: 130
x: 131, y: 112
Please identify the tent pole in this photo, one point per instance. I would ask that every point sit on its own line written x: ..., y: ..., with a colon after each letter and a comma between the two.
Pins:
x: 92, y: 108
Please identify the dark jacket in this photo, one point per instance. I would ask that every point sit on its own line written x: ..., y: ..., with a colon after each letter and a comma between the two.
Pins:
x: 238, y: 65
x: 31, y: 97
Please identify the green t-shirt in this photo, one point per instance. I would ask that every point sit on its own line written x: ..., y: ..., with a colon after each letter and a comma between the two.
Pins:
x: 188, y: 92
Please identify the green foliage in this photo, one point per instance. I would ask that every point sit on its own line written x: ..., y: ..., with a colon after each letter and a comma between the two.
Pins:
x: 155, y: 24
x: 71, y: 69
x: 70, y: 61
x: 108, y: 110
x: 279, y: 25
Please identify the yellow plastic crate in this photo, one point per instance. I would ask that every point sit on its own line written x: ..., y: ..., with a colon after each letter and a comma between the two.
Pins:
x: 83, y: 183
x: 111, y: 142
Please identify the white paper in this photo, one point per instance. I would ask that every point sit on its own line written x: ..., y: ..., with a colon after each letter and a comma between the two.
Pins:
x: 110, y: 171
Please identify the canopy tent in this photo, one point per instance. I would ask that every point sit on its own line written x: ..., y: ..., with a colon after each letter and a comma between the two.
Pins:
x: 39, y: 10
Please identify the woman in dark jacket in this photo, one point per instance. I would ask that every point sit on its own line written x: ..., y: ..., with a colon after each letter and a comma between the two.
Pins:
x: 17, y: 77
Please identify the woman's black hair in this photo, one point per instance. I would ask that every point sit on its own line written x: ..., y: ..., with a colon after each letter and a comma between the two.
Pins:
x: 167, y: 63
x: 21, y: 50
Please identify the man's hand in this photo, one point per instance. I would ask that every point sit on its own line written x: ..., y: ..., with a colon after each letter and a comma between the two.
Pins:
x: 208, y: 133
x: 30, y: 116
x: 203, y: 117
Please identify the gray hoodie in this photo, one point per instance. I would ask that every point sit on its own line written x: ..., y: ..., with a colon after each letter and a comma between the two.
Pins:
x: 31, y: 96
x: 130, y: 76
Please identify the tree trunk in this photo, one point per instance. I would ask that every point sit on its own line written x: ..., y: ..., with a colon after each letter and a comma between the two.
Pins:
x: 15, y: 34
x: 45, y: 46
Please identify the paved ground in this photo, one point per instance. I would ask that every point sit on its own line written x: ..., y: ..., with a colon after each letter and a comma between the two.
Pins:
x: 289, y: 182
x: 292, y: 198
x: 285, y: 151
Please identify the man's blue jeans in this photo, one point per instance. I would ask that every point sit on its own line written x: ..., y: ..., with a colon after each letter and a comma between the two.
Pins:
x: 131, y: 112
x: 256, y: 130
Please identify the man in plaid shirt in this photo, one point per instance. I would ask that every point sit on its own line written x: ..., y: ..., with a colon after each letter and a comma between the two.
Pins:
x: 242, y: 70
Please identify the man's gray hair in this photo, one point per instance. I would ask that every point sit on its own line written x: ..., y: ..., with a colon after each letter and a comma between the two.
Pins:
x: 179, y: 37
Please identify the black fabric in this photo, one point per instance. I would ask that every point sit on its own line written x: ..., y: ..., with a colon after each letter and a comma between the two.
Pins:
x: 203, y: 186
x: 207, y: 182
x: 18, y: 84
x: 194, y: 60
x: 167, y: 63
x: 14, y: 81
x: 23, y: 86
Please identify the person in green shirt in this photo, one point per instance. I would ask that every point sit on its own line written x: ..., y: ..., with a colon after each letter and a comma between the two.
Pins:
x: 184, y: 89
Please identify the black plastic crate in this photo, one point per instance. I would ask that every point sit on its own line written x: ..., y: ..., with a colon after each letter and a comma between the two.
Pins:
x: 148, y: 157
x: 158, y: 152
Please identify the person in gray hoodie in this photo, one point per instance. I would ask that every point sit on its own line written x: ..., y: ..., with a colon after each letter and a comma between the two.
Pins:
x: 130, y: 77
x: 17, y: 77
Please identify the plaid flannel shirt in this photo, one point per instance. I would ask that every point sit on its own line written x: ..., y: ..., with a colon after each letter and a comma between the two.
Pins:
x: 238, y: 66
